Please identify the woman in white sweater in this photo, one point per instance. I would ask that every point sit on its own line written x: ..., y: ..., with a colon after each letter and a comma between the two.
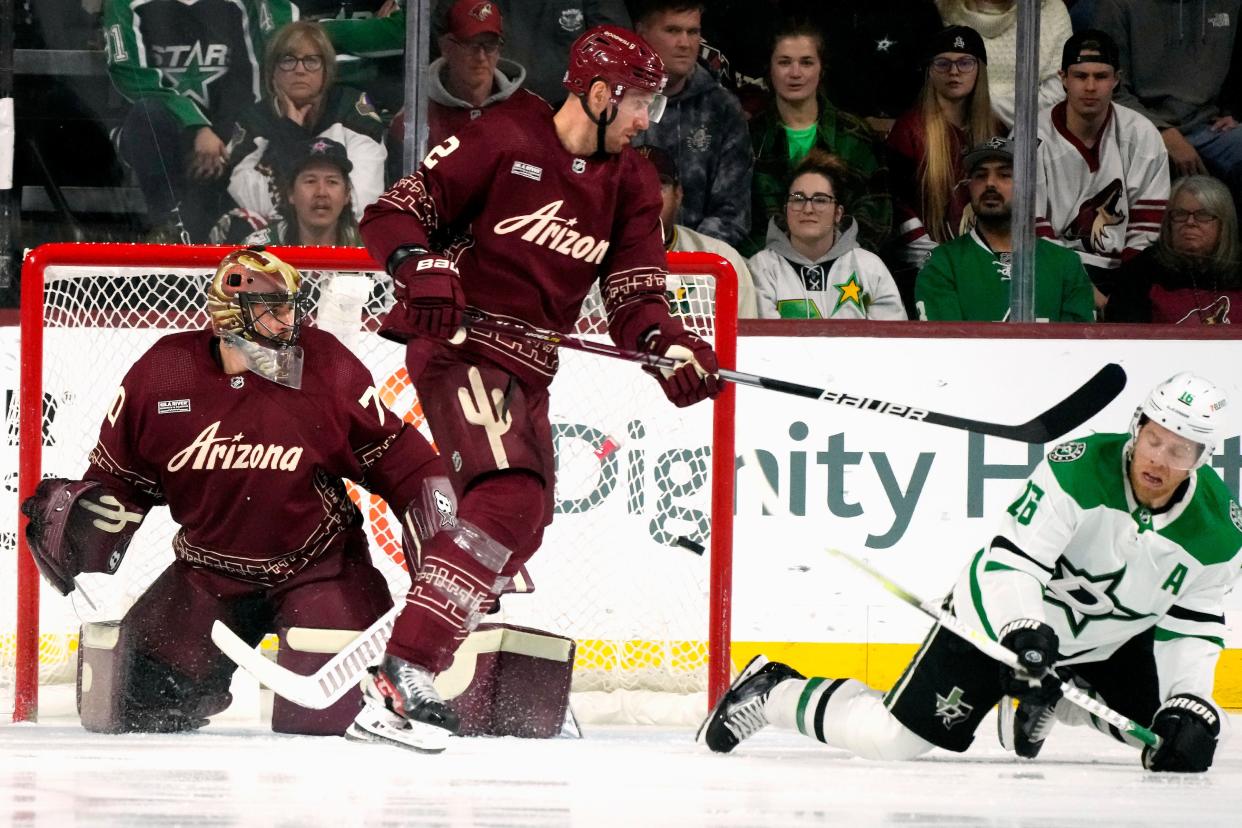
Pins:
x: 997, y: 21
x: 817, y: 270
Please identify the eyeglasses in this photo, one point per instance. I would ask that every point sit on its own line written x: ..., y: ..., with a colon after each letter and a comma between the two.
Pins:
x: 819, y: 201
x: 487, y: 47
x: 963, y: 64
x: 1180, y: 216
x: 312, y: 63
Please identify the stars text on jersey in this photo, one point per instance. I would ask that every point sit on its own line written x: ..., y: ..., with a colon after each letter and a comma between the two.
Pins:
x: 230, y: 452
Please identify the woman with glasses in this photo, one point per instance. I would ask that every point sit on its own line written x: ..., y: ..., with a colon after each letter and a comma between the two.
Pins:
x: 302, y: 100
x: 1190, y: 276
x: 800, y: 117
x: 817, y: 270
x: 954, y: 111
x: 997, y: 22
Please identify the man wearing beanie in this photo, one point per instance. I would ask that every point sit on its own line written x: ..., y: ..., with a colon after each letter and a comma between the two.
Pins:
x: 1102, y: 170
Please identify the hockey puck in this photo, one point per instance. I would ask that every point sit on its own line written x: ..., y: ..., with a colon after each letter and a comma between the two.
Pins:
x: 687, y: 543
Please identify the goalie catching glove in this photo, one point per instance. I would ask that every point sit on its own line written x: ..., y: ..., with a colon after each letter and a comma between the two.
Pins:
x: 78, y: 526
x: 430, y: 299
x: 695, y: 379
x: 1188, y: 727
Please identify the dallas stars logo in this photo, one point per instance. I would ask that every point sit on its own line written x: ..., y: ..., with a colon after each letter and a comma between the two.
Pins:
x: 850, y: 292
x: 191, y: 69
x: 1085, y: 597
x: 951, y: 709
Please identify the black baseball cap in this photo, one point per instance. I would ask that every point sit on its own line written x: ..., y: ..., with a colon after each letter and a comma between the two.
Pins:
x: 1090, y: 46
x: 993, y: 148
x: 318, y: 149
x: 957, y: 39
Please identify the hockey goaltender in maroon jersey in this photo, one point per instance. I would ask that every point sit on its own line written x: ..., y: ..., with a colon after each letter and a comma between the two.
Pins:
x: 515, y: 217
x: 250, y: 464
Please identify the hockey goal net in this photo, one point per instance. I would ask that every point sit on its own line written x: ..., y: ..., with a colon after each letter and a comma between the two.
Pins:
x: 639, y: 481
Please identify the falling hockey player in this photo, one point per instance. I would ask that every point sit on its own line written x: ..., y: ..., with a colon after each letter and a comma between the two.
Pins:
x: 516, y: 216
x: 1110, y: 568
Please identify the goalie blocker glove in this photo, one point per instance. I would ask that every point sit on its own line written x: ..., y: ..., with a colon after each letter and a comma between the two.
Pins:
x: 1188, y: 727
x: 78, y: 526
x: 1032, y: 679
x: 696, y: 379
x: 430, y: 299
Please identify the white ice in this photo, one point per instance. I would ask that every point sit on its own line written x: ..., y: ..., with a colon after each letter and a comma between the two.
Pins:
x: 230, y: 774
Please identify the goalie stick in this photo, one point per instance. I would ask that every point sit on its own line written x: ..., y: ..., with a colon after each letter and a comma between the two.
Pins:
x: 332, y: 681
x: 1083, y: 404
x: 1002, y: 654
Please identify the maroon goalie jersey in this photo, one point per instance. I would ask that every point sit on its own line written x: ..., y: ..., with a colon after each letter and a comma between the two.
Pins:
x: 250, y: 470
x: 532, y: 227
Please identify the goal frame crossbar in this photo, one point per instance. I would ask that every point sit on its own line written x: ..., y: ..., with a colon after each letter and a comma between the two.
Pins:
x: 30, y: 396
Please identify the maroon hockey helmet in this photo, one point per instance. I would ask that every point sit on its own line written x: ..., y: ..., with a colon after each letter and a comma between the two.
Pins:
x: 620, y: 58
x: 247, y: 283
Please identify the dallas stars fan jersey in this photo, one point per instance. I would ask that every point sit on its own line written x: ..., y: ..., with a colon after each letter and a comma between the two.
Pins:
x: 1104, y: 202
x: 249, y: 469
x: 201, y: 58
x: 1076, y: 550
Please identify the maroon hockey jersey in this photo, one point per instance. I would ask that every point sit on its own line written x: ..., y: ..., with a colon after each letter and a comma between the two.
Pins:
x: 250, y: 470
x: 532, y: 227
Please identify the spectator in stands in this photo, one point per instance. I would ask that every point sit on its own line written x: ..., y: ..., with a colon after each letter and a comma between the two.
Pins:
x: 1102, y: 172
x: 800, y: 117
x: 315, y: 209
x: 702, y: 127
x: 302, y: 100
x: 1191, y: 275
x: 187, y: 78
x: 926, y: 145
x: 1175, y: 61
x: 817, y: 270
x: 381, y: 74
x: 681, y: 239
x: 471, y: 77
x: 968, y: 278
x: 997, y: 22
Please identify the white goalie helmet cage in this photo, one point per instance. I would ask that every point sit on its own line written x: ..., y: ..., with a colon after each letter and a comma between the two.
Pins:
x: 1187, y: 405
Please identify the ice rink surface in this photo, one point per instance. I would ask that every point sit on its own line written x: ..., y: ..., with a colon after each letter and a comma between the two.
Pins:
x: 56, y: 774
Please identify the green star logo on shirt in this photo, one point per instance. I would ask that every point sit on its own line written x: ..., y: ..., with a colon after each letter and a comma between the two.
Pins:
x: 193, y: 79
x: 1085, y: 597
x: 850, y: 292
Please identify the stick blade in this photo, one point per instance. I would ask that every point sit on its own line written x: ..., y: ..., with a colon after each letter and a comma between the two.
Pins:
x: 1080, y: 406
x: 269, y: 674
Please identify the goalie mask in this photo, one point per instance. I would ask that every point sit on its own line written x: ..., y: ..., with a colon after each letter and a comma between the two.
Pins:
x: 256, y: 304
x: 1189, y: 406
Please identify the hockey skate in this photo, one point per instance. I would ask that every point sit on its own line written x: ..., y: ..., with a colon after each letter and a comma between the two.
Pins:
x: 739, y: 714
x: 401, y: 707
x: 1024, y: 727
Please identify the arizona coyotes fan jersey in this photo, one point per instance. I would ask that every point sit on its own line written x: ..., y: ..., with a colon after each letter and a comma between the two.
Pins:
x: 1105, y: 202
x: 532, y: 228
x: 250, y: 470
x: 1079, y: 552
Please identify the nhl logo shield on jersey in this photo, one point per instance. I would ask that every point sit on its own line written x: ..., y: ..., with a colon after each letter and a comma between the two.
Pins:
x: 579, y: 166
x: 237, y: 382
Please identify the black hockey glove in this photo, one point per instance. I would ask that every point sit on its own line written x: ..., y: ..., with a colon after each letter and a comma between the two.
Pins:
x: 1189, y: 727
x: 1035, y: 644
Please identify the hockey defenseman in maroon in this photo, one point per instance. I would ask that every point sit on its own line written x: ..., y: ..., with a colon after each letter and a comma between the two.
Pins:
x: 516, y: 218
x: 245, y: 431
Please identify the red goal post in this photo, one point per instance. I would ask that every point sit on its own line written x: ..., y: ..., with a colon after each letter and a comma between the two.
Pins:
x: 715, y: 316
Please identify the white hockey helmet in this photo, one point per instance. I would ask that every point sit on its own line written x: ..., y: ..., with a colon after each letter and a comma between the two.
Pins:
x: 1187, y: 405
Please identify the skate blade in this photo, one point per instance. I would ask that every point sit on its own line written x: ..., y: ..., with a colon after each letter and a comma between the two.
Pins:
x: 1006, y: 714
x: 753, y: 666
x: 416, y: 736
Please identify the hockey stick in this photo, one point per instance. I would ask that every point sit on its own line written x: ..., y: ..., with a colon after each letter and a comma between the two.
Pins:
x: 332, y: 681
x: 1002, y: 654
x: 1080, y: 406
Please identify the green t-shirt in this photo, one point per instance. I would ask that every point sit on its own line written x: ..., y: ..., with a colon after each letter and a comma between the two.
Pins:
x: 800, y: 142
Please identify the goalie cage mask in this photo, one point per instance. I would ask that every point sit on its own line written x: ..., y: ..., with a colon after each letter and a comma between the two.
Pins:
x: 250, y: 286
x: 1189, y: 406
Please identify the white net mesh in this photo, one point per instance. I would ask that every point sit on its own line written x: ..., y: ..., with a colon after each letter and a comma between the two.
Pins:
x: 633, y: 475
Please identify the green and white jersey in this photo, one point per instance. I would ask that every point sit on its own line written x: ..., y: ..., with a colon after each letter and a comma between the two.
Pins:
x: 1076, y: 550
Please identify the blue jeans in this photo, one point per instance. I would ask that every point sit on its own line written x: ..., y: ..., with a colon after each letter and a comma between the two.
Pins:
x: 1221, y: 153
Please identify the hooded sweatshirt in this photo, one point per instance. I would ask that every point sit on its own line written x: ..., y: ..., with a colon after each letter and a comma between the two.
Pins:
x: 1174, y: 56
x: 447, y: 114
x: 847, y: 282
x: 704, y: 130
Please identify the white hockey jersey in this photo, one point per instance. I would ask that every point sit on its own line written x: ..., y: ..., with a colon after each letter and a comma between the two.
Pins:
x: 1106, y: 201
x: 1077, y: 551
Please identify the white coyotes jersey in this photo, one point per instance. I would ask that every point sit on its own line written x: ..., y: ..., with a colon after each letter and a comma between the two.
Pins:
x: 1077, y: 551
x: 1106, y: 200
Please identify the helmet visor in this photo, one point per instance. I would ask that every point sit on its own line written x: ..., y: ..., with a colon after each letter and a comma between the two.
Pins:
x: 637, y: 101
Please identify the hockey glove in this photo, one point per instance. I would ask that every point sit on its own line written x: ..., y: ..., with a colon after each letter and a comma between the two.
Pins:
x: 1035, y: 644
x: 430, y: 299
x: 1189, y: 728
x: 696, y: 378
